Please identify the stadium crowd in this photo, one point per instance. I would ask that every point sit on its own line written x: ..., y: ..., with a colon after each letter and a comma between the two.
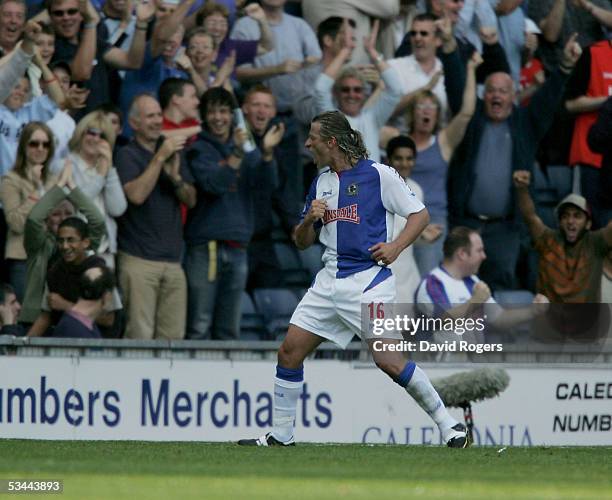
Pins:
x: 153, y: 166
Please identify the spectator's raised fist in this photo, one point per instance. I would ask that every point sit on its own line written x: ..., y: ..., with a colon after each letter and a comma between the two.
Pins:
x: 521, y: 179
x: 145, y: 11
x: 444, y: 29
x: 30, y: 34
x: 488, y: 35
x: 475, y: 60
x: 571, y: 52
x: 255, y: 12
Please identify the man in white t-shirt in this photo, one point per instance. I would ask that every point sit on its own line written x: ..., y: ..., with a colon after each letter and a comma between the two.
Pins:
x: 453, y: 290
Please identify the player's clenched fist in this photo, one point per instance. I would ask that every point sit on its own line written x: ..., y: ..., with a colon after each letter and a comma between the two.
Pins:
x: 316, y: 211
x: 481, y: 293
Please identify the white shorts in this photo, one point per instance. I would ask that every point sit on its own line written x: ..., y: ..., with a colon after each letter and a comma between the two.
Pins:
x: 332, y: 307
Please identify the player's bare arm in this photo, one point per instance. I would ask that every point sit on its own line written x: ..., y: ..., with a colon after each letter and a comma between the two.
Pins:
x: 305, y: 234
x: 388, y: 252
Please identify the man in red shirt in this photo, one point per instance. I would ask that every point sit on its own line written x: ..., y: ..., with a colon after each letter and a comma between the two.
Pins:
x: 179, y: 101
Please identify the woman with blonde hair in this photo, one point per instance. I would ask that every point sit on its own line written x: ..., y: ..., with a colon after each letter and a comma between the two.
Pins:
x: 20, y: 190
x: 91, y: 154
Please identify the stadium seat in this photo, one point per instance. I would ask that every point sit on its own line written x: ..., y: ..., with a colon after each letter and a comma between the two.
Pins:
x: 513, y: 298
x: 276, y: 305
x: 311, y: 259
x: 293, y: 273
x: 251, y: 322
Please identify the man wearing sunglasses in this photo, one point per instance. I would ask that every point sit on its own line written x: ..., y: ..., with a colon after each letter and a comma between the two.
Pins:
x: 349, y: 87
x: 81, y: 41
x: 417, y: 69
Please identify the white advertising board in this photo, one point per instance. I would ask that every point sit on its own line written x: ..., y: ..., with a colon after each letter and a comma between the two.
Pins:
x: 190, y: 400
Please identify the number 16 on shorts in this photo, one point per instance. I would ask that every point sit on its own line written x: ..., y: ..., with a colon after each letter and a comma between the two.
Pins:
x: 373, y: 316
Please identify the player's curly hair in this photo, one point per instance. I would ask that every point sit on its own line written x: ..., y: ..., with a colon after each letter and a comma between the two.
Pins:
x: 335, y: 125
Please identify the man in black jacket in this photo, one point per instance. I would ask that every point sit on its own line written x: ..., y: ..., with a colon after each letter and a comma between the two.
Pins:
x: 500, y: 139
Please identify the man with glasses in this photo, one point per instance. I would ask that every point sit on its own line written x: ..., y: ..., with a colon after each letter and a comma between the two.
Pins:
x: 417, y: 69
x: 350, y: 90
x: 81, y: 41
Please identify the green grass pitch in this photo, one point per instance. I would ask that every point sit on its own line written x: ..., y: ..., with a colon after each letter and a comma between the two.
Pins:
x: 138, y: 470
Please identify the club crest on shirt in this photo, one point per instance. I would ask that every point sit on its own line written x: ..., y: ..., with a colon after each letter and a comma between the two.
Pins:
x: 352, y: 190
x: 346, y: 214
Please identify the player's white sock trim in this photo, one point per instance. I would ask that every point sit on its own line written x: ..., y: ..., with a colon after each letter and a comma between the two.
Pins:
x: 286, y: 394
x: 420, y: 388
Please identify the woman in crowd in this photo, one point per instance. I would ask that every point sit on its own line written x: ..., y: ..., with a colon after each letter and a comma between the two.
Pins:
x: 91, y: 155
x: 21, y: 189
x: 202, y: 54
x: 435, y: 150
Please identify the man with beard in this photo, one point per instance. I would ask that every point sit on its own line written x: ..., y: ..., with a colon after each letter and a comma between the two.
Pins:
x: 571, y: 257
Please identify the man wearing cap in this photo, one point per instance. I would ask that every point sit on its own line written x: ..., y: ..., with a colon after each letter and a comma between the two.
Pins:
x: 571, y: 257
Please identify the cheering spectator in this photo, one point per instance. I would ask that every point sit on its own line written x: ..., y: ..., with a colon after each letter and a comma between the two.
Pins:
x: 453, y: 290
x: 62, y: 280
x: 501, y: 138
x: 41, y: 232
x: 417, y: 69
x: 435, y: 152
x: 571, y: 257
x: 201, y: 52
x: 560, y: 19
x: 20, y: 190
x: 349, y: 89
x: 179, y: 102
x: 91, y: 155
x: 364, y: 14
x: 334, y: 34
x: 81, y: 40
x: 493, y: 55
x: 13, y: 66
x: 150, y: 237
x: 214, y: 18
x: 296, y: 46
x: 12, y: 24
x: 161, y: 62
x: 264, y: 269
x: 220, y: 227
x: 19, y: 110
